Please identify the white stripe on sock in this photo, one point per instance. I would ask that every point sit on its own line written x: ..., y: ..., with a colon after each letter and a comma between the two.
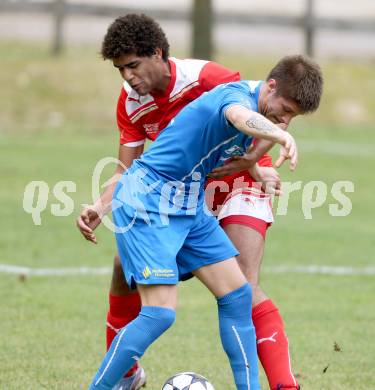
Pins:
x: 244, y: 356
x: 290, y: 365
x: 111, y: 358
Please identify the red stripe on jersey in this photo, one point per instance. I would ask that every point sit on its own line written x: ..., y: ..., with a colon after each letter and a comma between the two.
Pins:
x: 143, y: 112
x: 140, y: 109
x: 189, y: 79
x: 183, y: 90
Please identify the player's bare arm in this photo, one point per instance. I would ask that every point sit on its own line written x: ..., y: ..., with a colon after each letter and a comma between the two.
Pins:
x: 92, y: 215
x: 256, y: 125
x: 267, y: 177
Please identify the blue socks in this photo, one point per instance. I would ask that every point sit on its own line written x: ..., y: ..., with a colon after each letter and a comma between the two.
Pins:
x: 236, y: 330
x: 130, y: 344
x: 238, y: 337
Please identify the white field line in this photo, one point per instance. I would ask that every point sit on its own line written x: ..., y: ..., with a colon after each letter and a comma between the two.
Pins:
x: 282, y: 269
x: 74, y: 271
x: 319, y: 269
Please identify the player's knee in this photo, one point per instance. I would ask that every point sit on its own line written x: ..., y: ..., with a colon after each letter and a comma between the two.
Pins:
x: 157, y: 319
x: 258, y: 295
x: 118, y: 283
x: 234, y: 303
x: 117, y: 261
x: 117, y: 268
x: 165, y: 319
x: 251, y: 274
x: 255, y: 289
x: 151, y: 323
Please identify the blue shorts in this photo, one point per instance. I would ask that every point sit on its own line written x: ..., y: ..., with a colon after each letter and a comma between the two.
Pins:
x: 153, y: 252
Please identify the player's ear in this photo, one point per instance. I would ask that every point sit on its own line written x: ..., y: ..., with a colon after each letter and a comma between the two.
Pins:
x: 272, y: 84
x: 158, y: 53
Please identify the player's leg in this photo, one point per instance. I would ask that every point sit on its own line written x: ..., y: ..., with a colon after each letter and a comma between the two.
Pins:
x: 156, y: 316
x: 237, y: 333
x: 272, y: 342
x: 145, y: 260
x: 209, y: 254
x: 250, y: 243
x: 124, y: 307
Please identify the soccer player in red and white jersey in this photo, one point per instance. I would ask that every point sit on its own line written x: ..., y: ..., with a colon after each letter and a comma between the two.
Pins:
x: 156, y: 88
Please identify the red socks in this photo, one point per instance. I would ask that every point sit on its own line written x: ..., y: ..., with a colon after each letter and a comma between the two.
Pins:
x: 122, y: 310
x: 272, y: 343
x: 273, y: 348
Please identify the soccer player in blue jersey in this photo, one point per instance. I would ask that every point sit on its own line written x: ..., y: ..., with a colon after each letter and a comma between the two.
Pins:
x: 164, y: 233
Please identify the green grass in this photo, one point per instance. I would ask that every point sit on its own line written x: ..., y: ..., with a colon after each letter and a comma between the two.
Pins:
x: 57, y: 121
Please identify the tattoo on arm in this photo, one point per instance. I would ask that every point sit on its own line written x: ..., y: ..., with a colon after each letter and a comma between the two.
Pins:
x: 260, y: 124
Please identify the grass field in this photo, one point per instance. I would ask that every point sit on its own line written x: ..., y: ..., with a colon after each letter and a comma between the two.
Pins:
x: 57, y: 121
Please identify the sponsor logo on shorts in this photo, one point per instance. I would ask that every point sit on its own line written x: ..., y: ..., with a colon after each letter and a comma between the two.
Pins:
x: 163, y: 273
x: 158, y: 273
x: 146, y: 273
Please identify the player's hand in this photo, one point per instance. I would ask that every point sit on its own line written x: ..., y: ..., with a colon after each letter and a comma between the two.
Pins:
x: 87, y: 221
x: 283, y: 126
x: 237, y: 164
x: 268, y: 179
x: 288, y: 151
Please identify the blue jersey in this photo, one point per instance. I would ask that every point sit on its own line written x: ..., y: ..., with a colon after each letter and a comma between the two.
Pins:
x: 200, y: 138
x: 196, y: 141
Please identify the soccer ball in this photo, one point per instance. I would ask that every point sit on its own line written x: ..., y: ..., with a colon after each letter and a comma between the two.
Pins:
x: 187, y: 381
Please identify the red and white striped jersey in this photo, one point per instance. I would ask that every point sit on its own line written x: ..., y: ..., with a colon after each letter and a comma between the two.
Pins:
x: 141, y: 117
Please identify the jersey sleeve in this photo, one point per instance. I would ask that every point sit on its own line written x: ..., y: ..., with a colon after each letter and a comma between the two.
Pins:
x: 236, y: 97
x: 130, y: 135
x: 233, y: 95
x: 213, y: 74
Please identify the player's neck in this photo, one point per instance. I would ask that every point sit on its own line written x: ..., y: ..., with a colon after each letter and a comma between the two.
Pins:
x: 164, y: 80
x: 262, y: 93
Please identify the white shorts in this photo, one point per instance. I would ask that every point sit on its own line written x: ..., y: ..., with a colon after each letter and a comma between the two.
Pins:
x: 247, y: 202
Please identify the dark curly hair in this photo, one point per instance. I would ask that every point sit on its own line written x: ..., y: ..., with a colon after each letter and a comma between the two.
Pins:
x: 299, y: 78
x: 134, y: 34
